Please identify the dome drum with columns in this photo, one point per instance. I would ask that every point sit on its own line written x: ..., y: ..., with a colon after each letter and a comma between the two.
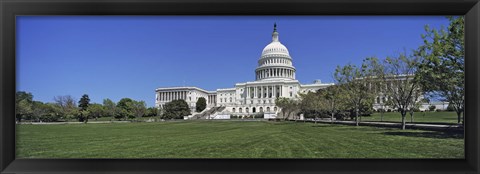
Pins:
x: 274, y: 77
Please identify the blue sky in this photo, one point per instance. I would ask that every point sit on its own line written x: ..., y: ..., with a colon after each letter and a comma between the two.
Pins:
x: 129, y: 56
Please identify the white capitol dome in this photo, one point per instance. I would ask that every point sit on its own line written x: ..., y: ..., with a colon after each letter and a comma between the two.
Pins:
x: 275, y: 47
x: 275, y: 61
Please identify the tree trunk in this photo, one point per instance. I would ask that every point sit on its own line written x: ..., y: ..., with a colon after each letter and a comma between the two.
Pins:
x: 463, y: 118
x: 381, y: 114
x: 403, y: 119
x: 459, y: 117
x: 356, y: 117
x: 331, y: 118
x: 411, y: 117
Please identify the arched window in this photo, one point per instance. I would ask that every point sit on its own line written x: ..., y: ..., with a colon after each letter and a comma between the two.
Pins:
x: 240, y: 110
x: 275, y: 109
x: 230, y: 99
x: 253, y: 109
x: 246, y: 110
x: 261, y: 109
x: 233, y: 109
x: 268, y: 109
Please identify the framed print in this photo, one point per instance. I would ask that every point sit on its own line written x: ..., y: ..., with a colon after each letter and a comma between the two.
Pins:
x: 156, y: 86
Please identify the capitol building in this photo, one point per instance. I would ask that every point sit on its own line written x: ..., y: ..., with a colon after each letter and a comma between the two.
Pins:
x: 274, y: 77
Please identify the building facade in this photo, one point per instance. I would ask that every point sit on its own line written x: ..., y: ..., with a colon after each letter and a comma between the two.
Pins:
x: 274, y: 77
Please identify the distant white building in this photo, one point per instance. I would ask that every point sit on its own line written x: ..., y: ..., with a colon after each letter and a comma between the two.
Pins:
x: 274, y: 77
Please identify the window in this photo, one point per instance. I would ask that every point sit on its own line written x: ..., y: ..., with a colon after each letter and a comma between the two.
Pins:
x: 275, y: 109
x: 240, y: 110
x: 233, y: 109
x: 268, y: 109
x: 291, y: 94
x: 230, y: 99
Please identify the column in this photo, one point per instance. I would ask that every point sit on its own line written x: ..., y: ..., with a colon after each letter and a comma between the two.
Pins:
x: 274, y: 91
x: 268, y: 92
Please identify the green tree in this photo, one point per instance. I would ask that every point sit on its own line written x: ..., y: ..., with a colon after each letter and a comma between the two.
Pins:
x: 139, y: 108
x: 401, y: 85
x: 311, y: 105
x: 151, y: 112
x: 38, y: 110
x: 47, y: 112
x: 175, y: 109
x: 333, y: 99
x: 96, y: 110
x: 67, y: 105
x: 201, y: 104
x: 83, y: 104
x: 376, y: 68
x: 125, y: 109
x: 287, y: 106
x: 110, y: 107
x: 23, y: 103
x: 355, y: 83
x: 442, y: 70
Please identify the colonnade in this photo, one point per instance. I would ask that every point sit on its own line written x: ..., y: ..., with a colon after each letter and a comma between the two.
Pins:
x: 269, y: 91
x: 172, y: 95
x: 212, y: 99
x: 275, y: 72
x: 275, y: 61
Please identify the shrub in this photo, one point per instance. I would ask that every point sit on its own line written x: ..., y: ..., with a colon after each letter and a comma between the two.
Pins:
x: 201, y: 104
x: 450, y: 108
x: 432, y: 107
x: 259, y: 115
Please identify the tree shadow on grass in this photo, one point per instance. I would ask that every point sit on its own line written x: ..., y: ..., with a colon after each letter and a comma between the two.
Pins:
x: 430, y: 134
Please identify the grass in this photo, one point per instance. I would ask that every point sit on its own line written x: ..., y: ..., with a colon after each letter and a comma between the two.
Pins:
x: 232, y: 139
x: 418, y: 117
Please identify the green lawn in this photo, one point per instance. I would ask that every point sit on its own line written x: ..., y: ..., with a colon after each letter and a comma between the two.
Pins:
x: 232, y: 139
x: 419, y: 117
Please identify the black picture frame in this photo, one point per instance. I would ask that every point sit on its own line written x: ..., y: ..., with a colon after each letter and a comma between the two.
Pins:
x: 11, y: 8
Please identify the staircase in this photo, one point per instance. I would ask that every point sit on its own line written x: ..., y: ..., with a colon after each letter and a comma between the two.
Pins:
x: 206, y: 114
